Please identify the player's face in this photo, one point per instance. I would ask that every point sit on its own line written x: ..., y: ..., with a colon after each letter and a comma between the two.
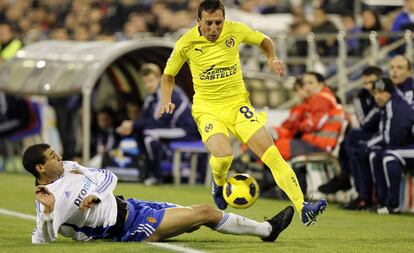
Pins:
x: 211, y: 24
x: 368, y: 82
x: 381, y: 97
x: 399, y: 70
x: 151, y: 82
x: 53, y: 167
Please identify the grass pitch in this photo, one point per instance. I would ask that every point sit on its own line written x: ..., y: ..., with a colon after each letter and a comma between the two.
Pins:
x: 336, y: 231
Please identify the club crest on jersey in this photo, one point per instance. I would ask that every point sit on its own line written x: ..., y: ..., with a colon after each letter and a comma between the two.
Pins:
x: 208, y: 127
x: 76, y: 171
x: 152, y: 220
x: 230, y: 42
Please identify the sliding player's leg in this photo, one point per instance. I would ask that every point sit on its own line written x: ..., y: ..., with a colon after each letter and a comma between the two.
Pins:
x: 187, y: 219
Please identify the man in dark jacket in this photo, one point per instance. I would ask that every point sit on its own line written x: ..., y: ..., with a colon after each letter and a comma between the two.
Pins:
x: 151, y: 130
x: 393, y: 147
x: 353, y: 161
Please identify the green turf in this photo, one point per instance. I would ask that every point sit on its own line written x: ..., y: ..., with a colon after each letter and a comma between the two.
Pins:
x: 337, y: 230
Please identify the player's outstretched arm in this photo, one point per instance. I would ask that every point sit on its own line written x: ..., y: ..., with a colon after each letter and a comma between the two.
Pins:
x: 274, y: 64
x: 167, y: 85
x: 44, y: 231
x: 44, y: 196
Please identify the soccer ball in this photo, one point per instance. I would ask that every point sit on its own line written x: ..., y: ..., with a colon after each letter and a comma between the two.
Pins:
x: 241, y: 191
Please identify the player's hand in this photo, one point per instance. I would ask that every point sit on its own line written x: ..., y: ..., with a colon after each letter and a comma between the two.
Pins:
x: 277, y: 66
x: 44, y: 196
x: 88, y: 202
x: 125, y: 128
x: 166, y: 108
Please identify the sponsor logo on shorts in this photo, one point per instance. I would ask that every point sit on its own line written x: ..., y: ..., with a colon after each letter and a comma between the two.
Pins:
x: 151, y: 220
x: 255, y: 120
x: 208, y: 127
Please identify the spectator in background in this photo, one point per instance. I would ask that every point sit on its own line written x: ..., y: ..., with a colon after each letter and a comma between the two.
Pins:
x: 59, y: 33
x: 151, y: 131
x: 393, y: 147
x: 352, y: 163
x: 15, y: 115
x: 300, y: 47
x: 336, y: 6
x: 321, y: 24
x: 9, y: 43
x: 82, y: 33
x: 405, y: 19
x: 290, y: 127
x: 370, y: 22
x: 135, y: 26
x: 274, y: 6
x: 400, y: 74
x: 106, y: 137
x: 68, y: 122
x: 319, y: 123
x: 133, y: 110
x: 350, y: 27
x: 301, y: 30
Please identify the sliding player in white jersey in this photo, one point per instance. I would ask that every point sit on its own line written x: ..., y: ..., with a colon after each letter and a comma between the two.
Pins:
x: 78, y: 202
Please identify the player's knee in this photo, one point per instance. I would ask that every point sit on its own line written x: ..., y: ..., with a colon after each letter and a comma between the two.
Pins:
x: 207, y: 212
x: 224, y: 152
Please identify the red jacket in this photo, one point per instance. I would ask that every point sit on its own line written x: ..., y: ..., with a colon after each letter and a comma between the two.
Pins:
x: 323, y: 120
x: 290, y: 126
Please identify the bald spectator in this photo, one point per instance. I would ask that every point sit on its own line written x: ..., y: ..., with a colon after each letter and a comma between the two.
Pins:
x: 400, y: 74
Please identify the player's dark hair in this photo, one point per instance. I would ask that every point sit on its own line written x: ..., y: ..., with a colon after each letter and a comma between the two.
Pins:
x: 33, y: 156
x: 372, y: 70
x: 109, y: 111
x: 319, y: 77
x: 210, y: 6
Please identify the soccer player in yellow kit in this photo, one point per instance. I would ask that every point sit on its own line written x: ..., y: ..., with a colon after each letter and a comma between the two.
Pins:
x: 221, y: 101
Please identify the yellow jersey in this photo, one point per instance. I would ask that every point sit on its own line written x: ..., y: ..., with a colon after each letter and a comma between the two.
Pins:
x: 215, y: 66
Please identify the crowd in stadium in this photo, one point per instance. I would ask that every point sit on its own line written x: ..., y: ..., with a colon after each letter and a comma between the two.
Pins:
x: 24, y: 22
x: 127, y: 19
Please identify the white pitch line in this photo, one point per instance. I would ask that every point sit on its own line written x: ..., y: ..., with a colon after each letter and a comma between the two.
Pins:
x: 157, y: 244
x: 16, y: 214
x: 175, y: 247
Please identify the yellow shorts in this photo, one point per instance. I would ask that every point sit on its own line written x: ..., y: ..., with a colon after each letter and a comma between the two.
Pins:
x: 236, y: 115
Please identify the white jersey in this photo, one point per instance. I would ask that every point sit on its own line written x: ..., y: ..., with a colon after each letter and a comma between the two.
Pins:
x: 69, y: 190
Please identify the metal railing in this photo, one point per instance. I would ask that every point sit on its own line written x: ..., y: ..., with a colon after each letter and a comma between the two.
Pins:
x: 346, y: 65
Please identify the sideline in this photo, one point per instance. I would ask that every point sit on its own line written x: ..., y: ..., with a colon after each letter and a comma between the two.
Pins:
x: 156, y: 244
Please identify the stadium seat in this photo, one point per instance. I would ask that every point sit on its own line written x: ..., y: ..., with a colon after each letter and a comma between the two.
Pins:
x: 194, y: 148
